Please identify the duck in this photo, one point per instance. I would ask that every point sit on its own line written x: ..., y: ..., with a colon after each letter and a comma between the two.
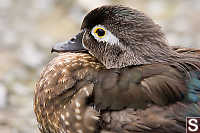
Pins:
x: 118, y: 75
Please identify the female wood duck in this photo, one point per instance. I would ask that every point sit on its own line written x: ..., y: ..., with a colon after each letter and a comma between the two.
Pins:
x: 118, y: 75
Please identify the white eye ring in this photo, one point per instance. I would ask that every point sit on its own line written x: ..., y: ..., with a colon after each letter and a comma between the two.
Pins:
x: 106, y: 37
x: 100, y: 32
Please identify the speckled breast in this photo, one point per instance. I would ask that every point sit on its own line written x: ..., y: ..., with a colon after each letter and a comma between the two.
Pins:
x: 62, y: 92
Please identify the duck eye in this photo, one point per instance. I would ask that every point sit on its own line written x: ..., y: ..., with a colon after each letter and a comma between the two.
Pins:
x: 100, y: 32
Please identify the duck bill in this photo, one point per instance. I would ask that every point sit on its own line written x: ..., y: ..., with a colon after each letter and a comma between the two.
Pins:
x: 73, y: 45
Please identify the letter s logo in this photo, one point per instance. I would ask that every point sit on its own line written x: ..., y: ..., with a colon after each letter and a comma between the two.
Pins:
x: 193, y: 125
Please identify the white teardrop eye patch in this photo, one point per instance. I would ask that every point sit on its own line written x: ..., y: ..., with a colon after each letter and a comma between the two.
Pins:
x: 101, y: 34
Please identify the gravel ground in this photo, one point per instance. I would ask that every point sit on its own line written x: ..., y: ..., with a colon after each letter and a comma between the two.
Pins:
x: 29, y: 28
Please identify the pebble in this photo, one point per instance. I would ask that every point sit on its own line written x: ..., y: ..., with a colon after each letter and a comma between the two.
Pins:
x: 3, y: 96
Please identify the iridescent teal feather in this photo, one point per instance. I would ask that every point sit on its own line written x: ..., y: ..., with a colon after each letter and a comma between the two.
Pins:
x: 194, y: 87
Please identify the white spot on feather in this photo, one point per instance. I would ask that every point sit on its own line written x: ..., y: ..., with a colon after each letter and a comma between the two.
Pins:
x: 64, y: 70
x: 86, y: 91
x: 54, y: 74
x: 77, y: 111
x: 60, y: 63
x: 95, y: 117
x: 67, y: 123
x: 63, y: 117
x: 78, y: 117
x: 77, y: 104
x: 79, y: 131
x: 67, y: 114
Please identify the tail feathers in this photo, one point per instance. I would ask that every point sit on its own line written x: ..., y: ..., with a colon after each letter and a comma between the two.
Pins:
x: 183, y: 110
x: 194, y: 110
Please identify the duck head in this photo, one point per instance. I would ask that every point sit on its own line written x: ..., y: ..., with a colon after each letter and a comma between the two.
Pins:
x: 119, y: 36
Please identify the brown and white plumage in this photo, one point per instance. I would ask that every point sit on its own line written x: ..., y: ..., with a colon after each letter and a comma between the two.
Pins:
x: 126, y: 79
x: 61, y: 95
x: 68, y: 81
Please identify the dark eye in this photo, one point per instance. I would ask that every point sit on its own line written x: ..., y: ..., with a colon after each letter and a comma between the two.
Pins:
x: 100, y: 32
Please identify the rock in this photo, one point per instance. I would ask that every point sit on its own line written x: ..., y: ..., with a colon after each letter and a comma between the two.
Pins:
x: 20, y: 89
x: 3, y: 96
x: 5, y: 4
x: 29, y: 55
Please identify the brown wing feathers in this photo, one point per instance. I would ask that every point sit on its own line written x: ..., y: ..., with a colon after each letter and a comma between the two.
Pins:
x: 67, y: 82
x: 160, y: 84
x: 164, y: 85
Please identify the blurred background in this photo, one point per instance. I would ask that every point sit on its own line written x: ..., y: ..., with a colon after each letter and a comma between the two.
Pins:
x: 29, y: 28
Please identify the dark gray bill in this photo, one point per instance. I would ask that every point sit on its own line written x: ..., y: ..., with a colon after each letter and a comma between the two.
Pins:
x: 73, y: 45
